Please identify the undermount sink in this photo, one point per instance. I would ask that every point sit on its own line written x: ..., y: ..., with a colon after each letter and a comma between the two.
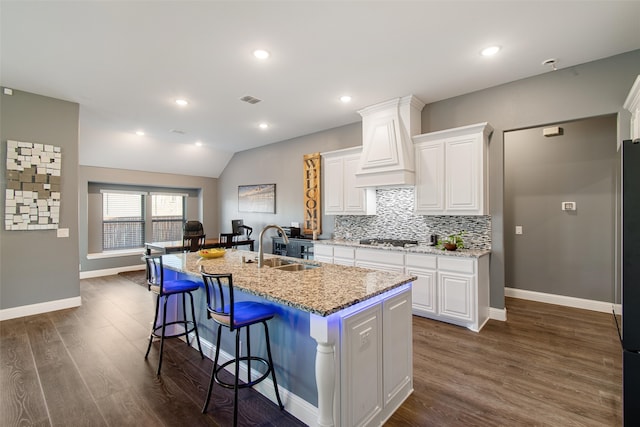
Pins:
x: 288, y: 265
x: 296, y: 267
x: 277, y: 262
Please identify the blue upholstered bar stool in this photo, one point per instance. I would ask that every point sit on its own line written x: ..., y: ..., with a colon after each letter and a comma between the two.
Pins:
x: 164, y: 289
x: 235, y: 316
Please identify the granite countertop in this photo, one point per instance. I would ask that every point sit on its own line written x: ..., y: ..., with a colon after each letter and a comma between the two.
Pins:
x: 420, y: 248
x: 322, y: 291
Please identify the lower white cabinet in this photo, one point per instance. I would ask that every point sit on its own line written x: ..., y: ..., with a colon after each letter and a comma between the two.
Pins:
x: 377, y: 361
x: 449, y: 288
x: 424, y: 267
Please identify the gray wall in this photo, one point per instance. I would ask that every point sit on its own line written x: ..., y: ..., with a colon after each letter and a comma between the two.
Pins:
x: 569, y: 253
x: 204, y: 209
x: 35, y: 265
x: 588, y: 90
x: 279, y: 163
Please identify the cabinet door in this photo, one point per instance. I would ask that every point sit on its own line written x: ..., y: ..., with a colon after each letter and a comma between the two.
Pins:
x: 456, y: 297
x: 362, y: 394
x: 429, y: 189
x: 354, y: 197
x: 463, y: 174
x: 333, y: 185
x: 398, y: 354
x: 423, y: 291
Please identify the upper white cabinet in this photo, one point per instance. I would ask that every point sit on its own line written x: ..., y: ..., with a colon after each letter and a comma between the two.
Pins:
x: 452, y: 171
x: 633, y: 105
x: 341, y: 196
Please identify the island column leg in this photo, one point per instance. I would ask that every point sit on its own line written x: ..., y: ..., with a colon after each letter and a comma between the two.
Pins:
x: 323, y: 330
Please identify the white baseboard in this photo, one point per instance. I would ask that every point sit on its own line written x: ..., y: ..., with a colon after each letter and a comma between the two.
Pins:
x: 109, y: 271
x: 586, y: 304
x: 293, y: 404
x: 498, y: 314
x: 43, y: 307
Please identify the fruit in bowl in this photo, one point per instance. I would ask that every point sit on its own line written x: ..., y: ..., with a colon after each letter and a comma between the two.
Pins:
x: 211, y: 253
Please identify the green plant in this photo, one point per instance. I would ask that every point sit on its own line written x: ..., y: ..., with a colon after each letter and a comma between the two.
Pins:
x: 455, y: 239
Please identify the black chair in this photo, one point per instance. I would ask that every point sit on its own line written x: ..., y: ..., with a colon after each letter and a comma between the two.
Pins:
x: 235, y: 316
x: 227, y: 240
x: 192, y: 228
x: 163, y: 290
x: 193, y: 243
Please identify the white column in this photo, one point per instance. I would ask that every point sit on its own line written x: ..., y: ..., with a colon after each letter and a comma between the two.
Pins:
x: 324, y: 331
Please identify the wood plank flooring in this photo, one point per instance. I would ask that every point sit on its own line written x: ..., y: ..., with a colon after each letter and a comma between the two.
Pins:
x: 546, y: 366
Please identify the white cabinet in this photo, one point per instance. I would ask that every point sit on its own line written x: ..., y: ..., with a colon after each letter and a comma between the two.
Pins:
x: 452, y: 171
x: 380, y: 260
x: 377, y: 361
x: 632, y: 104
x: 323, y: 253
x: 456, y: 289
x: 424, y: 267
x: 341, y: 196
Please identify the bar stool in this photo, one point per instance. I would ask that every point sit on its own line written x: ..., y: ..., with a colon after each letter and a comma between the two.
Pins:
x: 163, y: 290
x: 235, y: 316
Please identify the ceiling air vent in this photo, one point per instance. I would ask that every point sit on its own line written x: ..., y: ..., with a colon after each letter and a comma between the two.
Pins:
x: 178, y: 131
x: 250, y: 99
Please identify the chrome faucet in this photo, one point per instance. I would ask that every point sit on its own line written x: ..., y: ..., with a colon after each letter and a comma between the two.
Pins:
x: 260, y: 244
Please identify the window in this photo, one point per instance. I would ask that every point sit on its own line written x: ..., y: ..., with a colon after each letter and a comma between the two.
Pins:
x: 122, y: 220
x: 167, y: 216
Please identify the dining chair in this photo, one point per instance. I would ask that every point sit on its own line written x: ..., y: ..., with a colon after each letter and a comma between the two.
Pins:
x: 164, y: 289
x: 193, y: 243
x: 235, y: 316
x: 227, y: 240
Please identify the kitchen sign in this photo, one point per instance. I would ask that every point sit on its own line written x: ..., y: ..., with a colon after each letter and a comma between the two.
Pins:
x: 312, y: 223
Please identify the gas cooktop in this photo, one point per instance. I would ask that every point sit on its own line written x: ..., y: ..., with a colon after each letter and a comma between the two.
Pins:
x: 388, y: 242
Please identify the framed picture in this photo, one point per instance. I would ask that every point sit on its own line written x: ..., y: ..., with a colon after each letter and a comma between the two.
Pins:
x: 257, y: 198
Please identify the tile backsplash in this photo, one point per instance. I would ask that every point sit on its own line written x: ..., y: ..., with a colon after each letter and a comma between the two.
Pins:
x: 395, y: 219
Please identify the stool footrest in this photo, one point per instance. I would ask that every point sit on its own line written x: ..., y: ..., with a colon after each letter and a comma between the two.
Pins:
x: 240, y: 359
x: 188, y: 325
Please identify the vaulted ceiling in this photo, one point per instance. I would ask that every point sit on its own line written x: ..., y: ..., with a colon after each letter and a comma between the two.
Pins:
x: 126, y: 62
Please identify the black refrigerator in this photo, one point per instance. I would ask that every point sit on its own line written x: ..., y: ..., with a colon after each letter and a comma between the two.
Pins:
x: 630, y: 333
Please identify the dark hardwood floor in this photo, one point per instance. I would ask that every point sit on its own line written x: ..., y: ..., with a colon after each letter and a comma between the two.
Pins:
x: 546, y: 366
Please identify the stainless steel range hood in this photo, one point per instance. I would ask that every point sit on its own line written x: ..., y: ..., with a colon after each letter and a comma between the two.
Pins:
x: 387, y: 149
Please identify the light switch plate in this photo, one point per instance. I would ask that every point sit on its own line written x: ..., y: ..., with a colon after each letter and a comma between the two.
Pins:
x: 63, y: 232
x: 518, y: 229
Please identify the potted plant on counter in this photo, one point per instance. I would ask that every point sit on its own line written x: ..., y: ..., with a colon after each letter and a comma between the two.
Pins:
x: 452, y: 242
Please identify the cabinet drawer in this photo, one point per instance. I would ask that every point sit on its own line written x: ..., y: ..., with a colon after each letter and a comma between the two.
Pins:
x: 323, y: 250
x: 460, y: 265
x: 421, y: 261
x: 343, y: 252
x: 380, y: 256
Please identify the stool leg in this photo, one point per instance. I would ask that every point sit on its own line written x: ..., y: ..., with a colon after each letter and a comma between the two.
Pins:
x: 195, y: 326
x: 164, y: 327
x: 248, y: 355
x: 235, y: 382
x: 213, y: 371
x: 184, y: 318
x: 271, y: 365
x: 153, y: 326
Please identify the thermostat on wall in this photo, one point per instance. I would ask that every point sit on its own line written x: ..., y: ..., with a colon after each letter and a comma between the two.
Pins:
x: 568, y: 206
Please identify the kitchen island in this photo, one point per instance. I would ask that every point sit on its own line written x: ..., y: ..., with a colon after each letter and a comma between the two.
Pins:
x: 342, y: 339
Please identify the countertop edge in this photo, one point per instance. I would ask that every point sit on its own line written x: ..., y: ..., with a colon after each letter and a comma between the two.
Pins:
x: 419, y: 249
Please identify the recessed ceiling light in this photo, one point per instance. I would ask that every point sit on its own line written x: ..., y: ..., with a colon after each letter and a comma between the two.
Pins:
x: 139, y: 133
x: 198, y: 144
x: 263, y: 125
x: 182, y: 102
x: 489, y: 51
x: 261, y: 54
x: 345, y: 98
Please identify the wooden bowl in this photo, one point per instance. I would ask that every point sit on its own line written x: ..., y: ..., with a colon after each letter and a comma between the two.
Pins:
x: 450, y: 246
